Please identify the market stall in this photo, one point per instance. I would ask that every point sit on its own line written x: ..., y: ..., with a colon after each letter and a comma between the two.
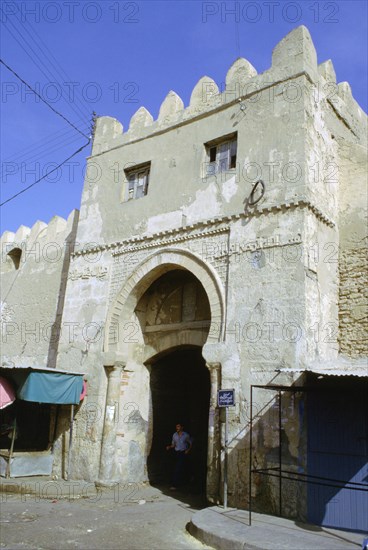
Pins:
x: 30, y: 399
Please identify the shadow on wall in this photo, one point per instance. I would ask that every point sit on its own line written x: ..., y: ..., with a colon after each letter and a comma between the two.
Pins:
x: 323, y: 434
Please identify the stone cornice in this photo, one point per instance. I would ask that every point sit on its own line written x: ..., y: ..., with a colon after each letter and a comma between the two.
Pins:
x: 185, y: 232
x: 182, y: 235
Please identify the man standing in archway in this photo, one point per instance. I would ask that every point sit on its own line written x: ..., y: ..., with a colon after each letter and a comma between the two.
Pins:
x: 182, y: 443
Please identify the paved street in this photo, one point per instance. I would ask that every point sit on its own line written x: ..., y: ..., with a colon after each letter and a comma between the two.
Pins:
x: 128, y: 518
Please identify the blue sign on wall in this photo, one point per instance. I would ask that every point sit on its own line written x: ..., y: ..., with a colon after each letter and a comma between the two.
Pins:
x: 226, y: 398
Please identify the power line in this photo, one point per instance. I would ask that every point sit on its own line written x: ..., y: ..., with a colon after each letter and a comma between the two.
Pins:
x: 38, y: 155
x: 39, y: 144
x: 47, y: 174
x: 29, y: 47
x: 50, y: 106
x: 45, y: 146
x: 80, y: 114
x: 46, y: 103
x: 59, y: 70
x: 51, y: 150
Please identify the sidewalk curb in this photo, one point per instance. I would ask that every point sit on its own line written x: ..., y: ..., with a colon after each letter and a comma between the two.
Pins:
x: 200, y: 529
x: 230, y: 530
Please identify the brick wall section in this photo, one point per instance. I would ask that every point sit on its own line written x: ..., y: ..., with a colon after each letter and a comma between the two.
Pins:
x: 353, y: 301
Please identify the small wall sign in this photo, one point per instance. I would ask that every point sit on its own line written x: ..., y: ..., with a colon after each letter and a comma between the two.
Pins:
x: 226, y: 398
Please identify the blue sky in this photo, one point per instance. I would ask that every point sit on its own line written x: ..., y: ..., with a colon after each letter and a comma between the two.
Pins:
x: 114, y: 56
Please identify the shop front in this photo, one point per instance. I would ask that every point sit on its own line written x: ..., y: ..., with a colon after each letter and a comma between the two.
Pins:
x: 30, y: 404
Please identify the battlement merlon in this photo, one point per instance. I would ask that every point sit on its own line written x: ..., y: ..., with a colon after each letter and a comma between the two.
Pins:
x: 56, y: 231
x: 293, y: 56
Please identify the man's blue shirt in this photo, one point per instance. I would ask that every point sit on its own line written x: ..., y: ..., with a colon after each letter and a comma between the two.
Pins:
x: 181, y: 443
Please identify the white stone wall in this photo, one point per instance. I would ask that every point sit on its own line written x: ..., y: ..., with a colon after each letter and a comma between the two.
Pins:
x: 271, y: 271
x: 32, y: 296
x: 275, y: 263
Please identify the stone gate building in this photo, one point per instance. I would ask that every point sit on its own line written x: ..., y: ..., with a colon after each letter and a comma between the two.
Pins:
x: 221, y: 246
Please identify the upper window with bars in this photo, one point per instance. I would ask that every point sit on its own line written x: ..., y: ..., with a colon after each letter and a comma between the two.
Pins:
x: 221, y: 155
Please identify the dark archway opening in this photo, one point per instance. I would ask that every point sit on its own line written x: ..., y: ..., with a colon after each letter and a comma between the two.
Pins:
x: 180, y: 389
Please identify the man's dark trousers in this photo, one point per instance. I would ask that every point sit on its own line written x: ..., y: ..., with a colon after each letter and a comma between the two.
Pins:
x: 180, y: 468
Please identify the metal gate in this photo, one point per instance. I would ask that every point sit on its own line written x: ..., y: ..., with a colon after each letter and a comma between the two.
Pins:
x: 337, y: 451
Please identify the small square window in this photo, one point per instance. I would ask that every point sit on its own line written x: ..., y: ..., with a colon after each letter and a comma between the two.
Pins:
x: 137, y: 182
x: 221, y: 155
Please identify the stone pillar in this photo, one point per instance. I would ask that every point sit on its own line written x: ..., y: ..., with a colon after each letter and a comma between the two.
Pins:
x: 108, y: 446
x: 214, y: 436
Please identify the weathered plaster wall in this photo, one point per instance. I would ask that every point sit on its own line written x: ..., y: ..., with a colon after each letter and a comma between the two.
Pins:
x: 270, y: 272
x: 32, y: 302
x: 80, y: 348
x: 32, y: 296
x: 268, y: 113
x: 284, y: 278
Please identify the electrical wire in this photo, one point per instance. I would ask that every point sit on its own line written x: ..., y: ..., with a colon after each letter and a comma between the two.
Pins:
x: 58, y: 145
x: 42, y: 99
x: 40, y: 144
x: 29, y: 47
x: 56, y: 67
x: 45, y: 175
x: 36, y: 56
x: 46, y: 148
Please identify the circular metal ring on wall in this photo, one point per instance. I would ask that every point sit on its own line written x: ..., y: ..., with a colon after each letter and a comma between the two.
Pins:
x: 252, y: 202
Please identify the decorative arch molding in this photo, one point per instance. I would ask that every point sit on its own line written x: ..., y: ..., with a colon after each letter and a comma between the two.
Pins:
x: 146, y: 273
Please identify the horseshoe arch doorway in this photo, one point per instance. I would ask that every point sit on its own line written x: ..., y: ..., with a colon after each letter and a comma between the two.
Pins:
x: 174, y: 314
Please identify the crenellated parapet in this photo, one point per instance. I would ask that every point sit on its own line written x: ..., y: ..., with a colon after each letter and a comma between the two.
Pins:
x: 35, y: 242
x: 171, y: 105
x: 292, y: 57
x: 34, y: 267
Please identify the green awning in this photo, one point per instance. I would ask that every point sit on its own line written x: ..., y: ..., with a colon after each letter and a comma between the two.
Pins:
x: 51, y: 387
